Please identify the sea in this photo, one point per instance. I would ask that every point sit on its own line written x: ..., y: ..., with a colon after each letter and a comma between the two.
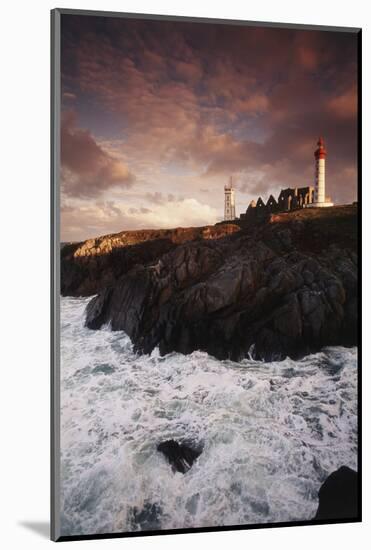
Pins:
x: 271, y: 433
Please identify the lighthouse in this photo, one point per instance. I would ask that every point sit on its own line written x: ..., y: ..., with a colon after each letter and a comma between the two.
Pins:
x: 320, y: 199
x: 229, y: 202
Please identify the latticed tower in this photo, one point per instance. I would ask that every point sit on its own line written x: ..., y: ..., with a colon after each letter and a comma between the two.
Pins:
x: 229, y: 201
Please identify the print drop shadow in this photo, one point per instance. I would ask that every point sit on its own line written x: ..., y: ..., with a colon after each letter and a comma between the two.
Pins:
x: 41, y: 528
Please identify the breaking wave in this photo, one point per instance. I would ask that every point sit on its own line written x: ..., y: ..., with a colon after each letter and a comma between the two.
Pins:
x: 271, y: 433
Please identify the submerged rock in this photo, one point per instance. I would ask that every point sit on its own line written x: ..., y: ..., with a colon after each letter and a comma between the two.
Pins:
x: 338, y: 495
x: 251, y: 290
x: 180, y: 456
x: 148, y: 518
x: 103, y: 369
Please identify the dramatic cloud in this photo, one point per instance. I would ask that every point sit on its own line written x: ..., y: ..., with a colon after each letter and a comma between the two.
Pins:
x: 186, y: 105
x: 160, y: 198
x: 345, y: 105
x: 87, y: 169
x: 307, y: 57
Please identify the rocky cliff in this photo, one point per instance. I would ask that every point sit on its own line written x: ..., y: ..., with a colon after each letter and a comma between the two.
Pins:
x: 285, y: 287
x: 88, y: 267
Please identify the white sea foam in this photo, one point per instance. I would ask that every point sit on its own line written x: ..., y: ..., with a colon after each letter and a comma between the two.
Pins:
x: 271, y: 433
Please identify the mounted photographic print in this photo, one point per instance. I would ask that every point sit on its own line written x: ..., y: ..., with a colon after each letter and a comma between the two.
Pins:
x: 205, y: 319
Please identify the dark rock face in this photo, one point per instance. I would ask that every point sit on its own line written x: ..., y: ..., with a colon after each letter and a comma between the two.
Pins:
x: 90, y: 266
x: 338, y: 495
x: 285, y: 287
x: 181, y: 457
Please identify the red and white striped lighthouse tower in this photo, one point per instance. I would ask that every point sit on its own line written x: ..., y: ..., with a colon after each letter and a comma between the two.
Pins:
x: 320, y: 154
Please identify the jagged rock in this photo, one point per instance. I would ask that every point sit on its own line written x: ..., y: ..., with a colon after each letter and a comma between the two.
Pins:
x: 180, y: 456
x: 90, y: 266
x: 338, y: 495
x: 148, y: 518
x: 250, y: 289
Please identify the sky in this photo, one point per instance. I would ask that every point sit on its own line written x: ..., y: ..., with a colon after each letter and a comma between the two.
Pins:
x: 157, y: 115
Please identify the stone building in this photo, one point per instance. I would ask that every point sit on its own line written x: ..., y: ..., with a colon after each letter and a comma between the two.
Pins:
x: 297, y: 197
x: 288, y: 199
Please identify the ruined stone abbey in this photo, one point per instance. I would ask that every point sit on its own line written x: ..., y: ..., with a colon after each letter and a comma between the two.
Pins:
x: 288, y: 199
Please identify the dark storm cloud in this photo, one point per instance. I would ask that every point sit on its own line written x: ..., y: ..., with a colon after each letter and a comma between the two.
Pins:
x: 87, y: 169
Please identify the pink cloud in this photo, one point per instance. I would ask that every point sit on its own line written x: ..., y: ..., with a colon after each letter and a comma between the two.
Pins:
x: 308, y: 57
x: 344, y: 105
x: 69, y: 95
x: 87, y: 169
